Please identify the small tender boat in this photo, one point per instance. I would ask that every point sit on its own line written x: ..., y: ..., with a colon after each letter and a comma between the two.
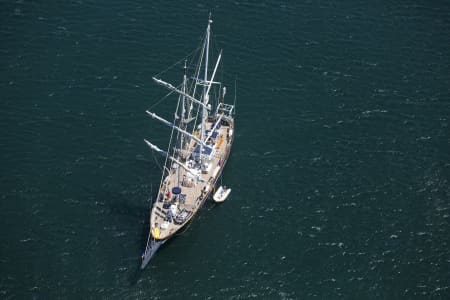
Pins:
x: 221, y: 194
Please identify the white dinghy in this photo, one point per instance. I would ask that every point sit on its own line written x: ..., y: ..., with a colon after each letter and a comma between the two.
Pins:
x: 221, y: 194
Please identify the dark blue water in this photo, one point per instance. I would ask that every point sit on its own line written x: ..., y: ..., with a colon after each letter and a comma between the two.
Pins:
x: 340, y: 169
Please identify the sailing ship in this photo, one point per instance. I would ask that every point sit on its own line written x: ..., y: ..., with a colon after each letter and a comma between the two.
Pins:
x: 202, y: 133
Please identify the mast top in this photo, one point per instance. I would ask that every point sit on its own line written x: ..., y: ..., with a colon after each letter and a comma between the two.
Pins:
x: 209, y: 18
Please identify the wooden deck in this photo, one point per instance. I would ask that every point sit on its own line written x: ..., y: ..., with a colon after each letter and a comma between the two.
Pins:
x: 169, y: 210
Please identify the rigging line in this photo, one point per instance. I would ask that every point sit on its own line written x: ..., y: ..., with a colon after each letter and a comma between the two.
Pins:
x: 151, y: 193
x: 235, y: 93
x: 196, y: 118
x: 157, y: 75
x: 157, y: 162
x: 199, y: 52
x: 170, y: 143
x: 167, y: 156
x: 194, y: 82
x: 178, y: 62
x: 215, y: 45
x: 161, y: 100
x: 194, y: 86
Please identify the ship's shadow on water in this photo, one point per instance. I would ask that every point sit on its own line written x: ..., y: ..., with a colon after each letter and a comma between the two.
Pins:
x: 137, y: 271
x: 120, y: 207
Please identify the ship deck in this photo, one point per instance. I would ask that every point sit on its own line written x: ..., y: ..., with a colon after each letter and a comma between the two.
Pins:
x: 171, y: 211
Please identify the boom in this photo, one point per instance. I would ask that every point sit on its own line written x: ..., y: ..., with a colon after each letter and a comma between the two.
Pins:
x: 172, y: 88
x: 164, y: 153
x: 155, y: 116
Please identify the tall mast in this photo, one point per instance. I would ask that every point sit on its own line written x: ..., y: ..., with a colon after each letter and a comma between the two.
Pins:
x: 181, y: 123
x: 205, y: 89
x: 183, y: 103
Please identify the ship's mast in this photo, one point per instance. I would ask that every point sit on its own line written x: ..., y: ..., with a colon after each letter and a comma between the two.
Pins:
x: 184, y: 89
x: 183, y: 103
x: 181, y: 123
x: 205, y: 91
